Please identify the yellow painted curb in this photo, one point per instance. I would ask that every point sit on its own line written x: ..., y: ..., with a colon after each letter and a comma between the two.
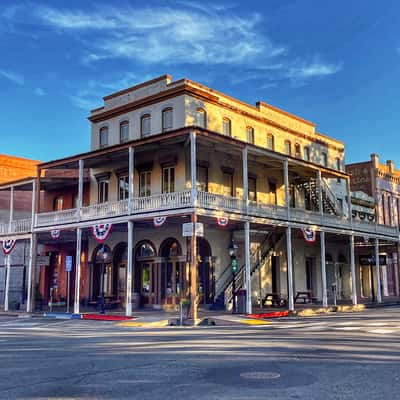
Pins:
x: 144, y: 324
x: 254, y: 322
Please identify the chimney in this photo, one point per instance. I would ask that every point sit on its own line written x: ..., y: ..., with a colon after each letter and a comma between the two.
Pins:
x: 375, y: 160
x: 390, y: 164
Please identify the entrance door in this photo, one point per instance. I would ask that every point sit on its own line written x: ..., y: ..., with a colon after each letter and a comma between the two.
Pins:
x: 310, y: 275
x: 275, y: 274
x: 205, y: 272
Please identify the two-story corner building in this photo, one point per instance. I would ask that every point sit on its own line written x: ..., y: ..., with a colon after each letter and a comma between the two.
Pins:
x: 380, y: 182
x: 15, y: 206
x: 170, y: 158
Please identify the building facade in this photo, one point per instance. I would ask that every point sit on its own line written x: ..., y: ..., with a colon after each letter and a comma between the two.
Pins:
x: 170, y: 158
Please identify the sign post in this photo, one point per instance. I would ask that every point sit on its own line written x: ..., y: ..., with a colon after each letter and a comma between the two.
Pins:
x: 68, y: 267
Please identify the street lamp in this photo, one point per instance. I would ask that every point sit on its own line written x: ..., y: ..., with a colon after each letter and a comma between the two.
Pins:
x: 104, y: 256
x: 232, y: 249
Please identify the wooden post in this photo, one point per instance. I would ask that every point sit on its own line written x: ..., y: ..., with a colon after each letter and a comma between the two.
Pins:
x: 289, y: 267
x: 378, y: 273
x: 323, y: 270
x: 193, y: 272
x: 78, y: 269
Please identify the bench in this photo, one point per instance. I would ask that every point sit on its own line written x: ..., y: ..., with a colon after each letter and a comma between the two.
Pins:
x: 109, y: 304
x: 275, y: 299
x: 306, y: 296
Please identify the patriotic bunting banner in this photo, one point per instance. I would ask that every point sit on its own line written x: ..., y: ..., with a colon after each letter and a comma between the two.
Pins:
x: 222, y: 221
x: 55, y: 233
x: 158, y: 221
x: 8, y: 246
x: 101, y: 232
x: 310, y: 236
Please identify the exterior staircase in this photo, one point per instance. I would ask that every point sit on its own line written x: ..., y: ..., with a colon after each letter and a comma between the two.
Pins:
x: 330, y: 203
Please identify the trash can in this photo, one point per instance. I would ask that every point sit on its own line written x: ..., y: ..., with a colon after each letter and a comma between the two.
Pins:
x: 241, y: 301
x: 135, y: 300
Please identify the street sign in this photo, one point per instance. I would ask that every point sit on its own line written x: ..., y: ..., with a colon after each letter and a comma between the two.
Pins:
x: 68, y: 263
x: 43, y: 260
x: 187, y: 229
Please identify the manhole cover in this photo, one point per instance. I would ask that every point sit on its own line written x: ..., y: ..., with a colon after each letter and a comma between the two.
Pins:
x: 260, y: 375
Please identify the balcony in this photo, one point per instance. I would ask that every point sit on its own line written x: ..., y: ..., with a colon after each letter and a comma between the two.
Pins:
x: 182, y: 200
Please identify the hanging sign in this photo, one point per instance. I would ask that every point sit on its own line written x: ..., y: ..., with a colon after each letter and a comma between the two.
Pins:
x: 8, y: 246
x: 55, y: 233
x: 310, y: 236
x: 222, y: 222
x: 158, y: 221
x: 187, y: 229
x: 101, y: 232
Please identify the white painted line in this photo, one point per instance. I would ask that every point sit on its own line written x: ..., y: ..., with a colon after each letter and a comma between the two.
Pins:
x: 381, y: 331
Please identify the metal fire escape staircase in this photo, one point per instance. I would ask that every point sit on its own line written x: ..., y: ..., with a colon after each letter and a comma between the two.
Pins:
x: 257, y: 259
x: 330, y: 203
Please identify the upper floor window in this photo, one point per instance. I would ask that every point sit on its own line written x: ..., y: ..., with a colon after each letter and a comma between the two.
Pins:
x: 102, y: 191
x: 288, y: 148
x: 167, y: 119
x: 123, y: 192
x: 226, y: 126
x: 297, y: 150
x: 250, y: 134
x: 145, y: 125
x: 306, y: 154
x: 103, y: 137
x: 338, y: 164
x: 227, y: 183
x: 252, y: 189
x: 201, y: 118
x: 202, y: 178
x: 124, y: 131
x: 145, y: 183
x: 168, y: 179
x: 58, y: 203
x: 270, y: 141
x: 324, y: 159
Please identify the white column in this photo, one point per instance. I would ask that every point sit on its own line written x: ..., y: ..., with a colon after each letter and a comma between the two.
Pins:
x: 289, y: 267
x: 353, y: 272
x: 32, y: 253
x: 247, y: 266
x: 11, y: 207
x: 80, y: 189
x: 323, y: 270
x: 245, y: 171
x: 349, y: 205
x: 78, y: 269
x: 129, y: 268
x: 377, y: 273
x: 193, y: 169
x: 7, y: 286
x: 131, y: 178
x: 286, y: 184
x: 319, y: 186
x: 396, y: 270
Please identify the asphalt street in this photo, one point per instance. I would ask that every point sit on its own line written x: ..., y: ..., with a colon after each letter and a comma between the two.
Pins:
x: 346, y: 356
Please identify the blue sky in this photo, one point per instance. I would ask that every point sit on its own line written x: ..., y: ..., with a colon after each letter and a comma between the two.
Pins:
x: 334, y: 63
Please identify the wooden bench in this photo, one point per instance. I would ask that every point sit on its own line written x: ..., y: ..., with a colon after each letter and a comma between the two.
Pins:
x: 275, y: 299
x: 306, y: 296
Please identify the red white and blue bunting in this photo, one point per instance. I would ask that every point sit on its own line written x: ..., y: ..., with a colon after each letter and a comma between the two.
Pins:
x: 310, y: 236
x: 222, y: 222
x: 101, y: 232
x: 8, y: 246
x: 55, y: 233
x: 158, y: 221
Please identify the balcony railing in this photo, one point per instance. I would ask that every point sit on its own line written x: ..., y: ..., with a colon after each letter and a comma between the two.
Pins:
x: 206, y: 200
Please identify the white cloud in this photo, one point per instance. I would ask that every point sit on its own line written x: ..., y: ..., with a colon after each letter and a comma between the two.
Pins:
x: 39, y: 92
x: 194, y: 35
x: 12, y: 77
x: 313, y: 69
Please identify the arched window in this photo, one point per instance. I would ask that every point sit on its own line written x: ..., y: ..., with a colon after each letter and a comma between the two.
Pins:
x: 226, y: 126
x: 324, y: 159
x: 297, y: 150
x: 145, y: 125
x: 270, y: 141
x: 288, y: 148
x: 145, y: 249
x: 167, y: 119
x: 201, y: 118
x: 124, y: 131
x: 306, y: 154
x: 250, y: 134
x: 103, y: 137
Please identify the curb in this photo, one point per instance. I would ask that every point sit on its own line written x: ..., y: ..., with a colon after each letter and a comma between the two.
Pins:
x: 62, y: 316
x: 272, y: 314
x: 144, y: 324
x: 310, y: 312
